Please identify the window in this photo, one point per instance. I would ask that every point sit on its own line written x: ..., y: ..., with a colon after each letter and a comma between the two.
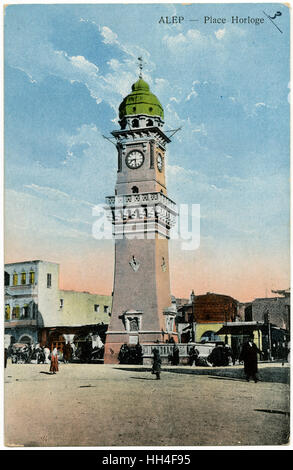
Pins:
x: 209, y: 336
x: 16, y: 312
x: 133, y: 324
x: 23, y: 278
x: 106, y: 309
x: 32, y: 277
x: 135, y: 123
x: 96, y: 308
x: 49, y: 280
x: 134, y: 190
x: 169, y: 323
x: 149, y: 123
x: 61, y: 303
x: 6, y: 279
x: 25, y: 311
x: 7, y: 312
x: 15, y: 279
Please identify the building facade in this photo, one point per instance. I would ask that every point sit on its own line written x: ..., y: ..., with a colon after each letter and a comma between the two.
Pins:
x: 277, y: 308
x: 142, y: 215
x: 36, y: 310
x: 202, y: 317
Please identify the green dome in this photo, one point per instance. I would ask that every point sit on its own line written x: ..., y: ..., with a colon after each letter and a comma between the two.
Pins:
x: 141, y: 101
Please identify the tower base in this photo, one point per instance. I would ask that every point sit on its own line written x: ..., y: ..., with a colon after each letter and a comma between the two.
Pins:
x: 114, y: 342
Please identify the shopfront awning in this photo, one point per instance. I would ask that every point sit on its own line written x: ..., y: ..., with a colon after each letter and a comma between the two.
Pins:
x: 240, y: 328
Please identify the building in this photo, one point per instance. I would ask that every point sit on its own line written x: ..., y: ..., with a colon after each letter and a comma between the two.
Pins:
x: 36, y: 310
x: 278, y: 309
x: 141, y: 214
x: 201, y: 318
x: 215, y: 317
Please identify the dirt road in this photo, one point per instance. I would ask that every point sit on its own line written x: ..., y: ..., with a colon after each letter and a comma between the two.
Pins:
x: 101, y: 405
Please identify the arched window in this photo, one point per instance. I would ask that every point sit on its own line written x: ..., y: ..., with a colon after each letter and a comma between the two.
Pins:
x: 123, y: 124
x: 149, y: 123
x: 134, y: 189
x: 135, y: 123
x: 209, y: 336
x: 25, y: 339
x: 15, y: 279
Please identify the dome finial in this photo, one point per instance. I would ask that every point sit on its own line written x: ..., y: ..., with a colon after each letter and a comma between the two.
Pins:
x: 140, y: 64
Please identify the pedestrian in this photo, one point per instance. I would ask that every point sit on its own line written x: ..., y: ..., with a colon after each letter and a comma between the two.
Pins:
x: 248, y: 355
x: 227, y: 355
x: 67, y: 353
x: 193, y: 356
x: 47, y: 354
x: 5, y: 357
x: 138, y: 354
x: 54, y: 361
x: 217, y: 357
x: 175, y: 356
x: 157, y: 363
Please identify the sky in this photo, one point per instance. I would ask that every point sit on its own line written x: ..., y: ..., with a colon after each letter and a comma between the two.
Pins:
x: 67, y: 69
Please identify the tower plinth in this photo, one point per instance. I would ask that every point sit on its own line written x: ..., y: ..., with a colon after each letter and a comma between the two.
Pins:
x: 142, y: 215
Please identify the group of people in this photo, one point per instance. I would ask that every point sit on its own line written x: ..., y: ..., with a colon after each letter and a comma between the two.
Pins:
x: 130, y: 354
x: 26, y: 353
x: 40, y: 354
x: 219, y: 356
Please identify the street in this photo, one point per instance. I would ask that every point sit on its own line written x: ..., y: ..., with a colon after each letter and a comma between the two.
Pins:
x: 92, y: 405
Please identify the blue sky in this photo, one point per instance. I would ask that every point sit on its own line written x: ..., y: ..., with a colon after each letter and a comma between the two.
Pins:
x: 67, y: 68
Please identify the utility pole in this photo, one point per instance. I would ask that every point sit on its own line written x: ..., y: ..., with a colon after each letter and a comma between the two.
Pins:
x: 192, y: 298
x: 267, y: 321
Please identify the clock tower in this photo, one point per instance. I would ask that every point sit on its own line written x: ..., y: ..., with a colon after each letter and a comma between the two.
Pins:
x: 142, y: 215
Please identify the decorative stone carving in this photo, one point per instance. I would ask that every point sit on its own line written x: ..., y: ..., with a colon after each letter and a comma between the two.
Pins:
x: 133, y: 324
x: 134, y: 263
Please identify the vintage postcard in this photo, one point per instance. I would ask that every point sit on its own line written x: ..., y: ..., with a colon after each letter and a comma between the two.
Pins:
x: 146, y: 226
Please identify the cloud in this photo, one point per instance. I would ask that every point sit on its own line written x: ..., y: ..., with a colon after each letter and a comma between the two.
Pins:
x: 109, y: 36
x: 192, y: 93
x: 54, y: 193
x: 177, y: 170
x: 108, y: 87
x: 192, y: 38
x: 220, y: 33
x: 38, y: 216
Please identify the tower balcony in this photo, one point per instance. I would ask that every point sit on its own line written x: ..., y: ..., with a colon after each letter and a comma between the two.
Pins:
x: 142, y: 213
x: 141, y: 199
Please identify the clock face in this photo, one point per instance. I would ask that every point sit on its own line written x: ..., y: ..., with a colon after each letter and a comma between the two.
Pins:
x: 134, y: 159
x: 160, y: 162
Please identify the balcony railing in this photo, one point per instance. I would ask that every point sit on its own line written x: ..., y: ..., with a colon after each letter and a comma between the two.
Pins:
x: 20, y: 322
x: 141, y: 199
